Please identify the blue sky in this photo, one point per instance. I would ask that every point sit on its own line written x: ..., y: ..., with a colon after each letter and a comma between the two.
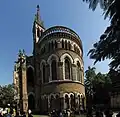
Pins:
x: 16, y: 20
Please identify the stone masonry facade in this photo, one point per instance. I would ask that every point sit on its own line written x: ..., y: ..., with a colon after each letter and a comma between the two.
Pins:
x: 54, y: 75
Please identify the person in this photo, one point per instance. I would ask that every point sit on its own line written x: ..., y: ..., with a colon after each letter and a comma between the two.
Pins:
x: 60, y: 115
x: 118, y: 115
x: 29, y: 111
x: 17, y: 115
x: 9, y: 114
x: 24, y: 115
x: 30, y: 115
x: 1, y: 114
x: 89, y: 113
x: 99, y: 114
x: 108, y: 113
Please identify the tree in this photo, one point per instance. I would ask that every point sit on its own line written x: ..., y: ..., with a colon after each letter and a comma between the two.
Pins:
x: 89, y: 80
x: 108, y: 47
x: 89, y: 75
x: 6, y: 95
x: 95, y: 83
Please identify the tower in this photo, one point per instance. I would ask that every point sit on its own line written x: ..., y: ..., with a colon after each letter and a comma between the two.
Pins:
x: 38, y: 30
x: 20, y: 82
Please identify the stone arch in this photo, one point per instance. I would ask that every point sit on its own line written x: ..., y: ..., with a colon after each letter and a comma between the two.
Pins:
x: 49, y: 46
x: 50, y: 60
x: 72, y: 101
x: 79, y: 70
x: 30, y: 66
x: 76, y: 60
x: 65, y: 94
x: 75, y: 48
x: 30, y: 75
x: 31, y: 101
x: 66, y: 101
x: 52, y: 95
x: 56, y: 44
x: 45, y: 102
x: 38, y: 32
x: 52, y: 56
x: 54, y: 69
x: 78, y: 94
x: 44, y: 96
x: 69, y: 45
x: 43, y: 71
x: 57, y: 95
x: 67, y: 68
x: 67, y: 61
x: 63, y: 43
x: 83, y: 101
x: 66, y: 55
x: 31, y: 93
x: 66, y: 44
x: 52, y: 101
x: 52, y: 44
x: 71, y: 94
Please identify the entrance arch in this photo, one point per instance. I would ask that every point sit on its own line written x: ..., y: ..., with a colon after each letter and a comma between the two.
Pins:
x: 30, y: 75
x: 31, y: 102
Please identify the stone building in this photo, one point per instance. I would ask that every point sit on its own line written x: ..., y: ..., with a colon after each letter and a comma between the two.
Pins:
x: 53, y: 77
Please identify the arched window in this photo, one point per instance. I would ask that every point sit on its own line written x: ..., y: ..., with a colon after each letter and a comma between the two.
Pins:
x: 62, y: 44
x: 54, y: 70
x: 30, y: 76
x: 38, y: 32
x: 52, y: 45
x: 75, y: 48
x: 65, y: 44
x: 67, y: 68
x: 79, y: 101
x: 78, y: 71
x: 69, y: 46
x: 55, y: 44
x: 66, y: 102
x: 41, y: 32
x: 31, y: 102
x: 43, y: 73
x: 49, y: 46
x: 72, y: 101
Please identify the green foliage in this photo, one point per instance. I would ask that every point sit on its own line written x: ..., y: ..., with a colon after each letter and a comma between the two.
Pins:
x: 95, y: 83
x: 108, y: 47
x: 6, y: 95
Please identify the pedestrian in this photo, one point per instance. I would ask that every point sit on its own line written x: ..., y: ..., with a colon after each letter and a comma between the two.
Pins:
x: 17, y: 115
x: 118, y: 115
x: 1, y: 114
x: 30, y: 115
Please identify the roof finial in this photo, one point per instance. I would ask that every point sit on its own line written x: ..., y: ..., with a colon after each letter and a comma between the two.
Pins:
x: 38, y: 18
x: 38, y: 13
x: 38, y: 8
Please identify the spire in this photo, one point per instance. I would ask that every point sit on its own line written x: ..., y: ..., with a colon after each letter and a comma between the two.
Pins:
x: 38, y: 18
x: 38, y: 13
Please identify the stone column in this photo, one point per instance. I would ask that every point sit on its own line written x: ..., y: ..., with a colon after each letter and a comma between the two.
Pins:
x: 47, y: 72
x: 74, y: 75
x: 48, y: 103
x: 82, y: 76
x: 72, y: 47
x: 24, y: 90
x: 59, y: 44
x: 60, y: 71
x: 85, y: 103
x: 111, y: 100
